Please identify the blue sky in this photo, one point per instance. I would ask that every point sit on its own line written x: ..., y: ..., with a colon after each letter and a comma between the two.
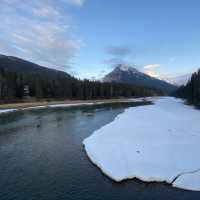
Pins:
x: 88, y: 37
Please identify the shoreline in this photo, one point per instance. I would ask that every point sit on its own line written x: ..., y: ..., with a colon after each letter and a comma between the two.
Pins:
x: 14, y: 107
x: 102, y: 145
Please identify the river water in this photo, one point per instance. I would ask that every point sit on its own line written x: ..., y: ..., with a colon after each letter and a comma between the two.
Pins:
x: 42, y: 158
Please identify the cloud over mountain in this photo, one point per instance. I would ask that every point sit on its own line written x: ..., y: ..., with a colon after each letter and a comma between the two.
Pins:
x: 119, y: 51
x: 151, y: 66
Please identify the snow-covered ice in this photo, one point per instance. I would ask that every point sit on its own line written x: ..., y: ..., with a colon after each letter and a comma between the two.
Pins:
x: 188, y: 181
x: 159, y: 142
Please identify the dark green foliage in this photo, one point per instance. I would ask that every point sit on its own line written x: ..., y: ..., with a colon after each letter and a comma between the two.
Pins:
x: 12, y: 88
x: 191, y: 91
x: 17, y: 74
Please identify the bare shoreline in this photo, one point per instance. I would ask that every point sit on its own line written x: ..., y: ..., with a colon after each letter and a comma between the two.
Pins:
x: 5, y: 108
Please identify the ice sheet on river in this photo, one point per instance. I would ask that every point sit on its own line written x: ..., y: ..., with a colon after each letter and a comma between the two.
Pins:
x: 159, y: 142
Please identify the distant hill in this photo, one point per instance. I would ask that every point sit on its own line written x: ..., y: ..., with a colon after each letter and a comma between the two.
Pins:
x: 130, y: 75
x: 23, y: 80
x: 179, y: 80
x: 14, y: 64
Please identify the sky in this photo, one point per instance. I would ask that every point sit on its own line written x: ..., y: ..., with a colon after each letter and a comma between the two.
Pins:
x: 88, y: 37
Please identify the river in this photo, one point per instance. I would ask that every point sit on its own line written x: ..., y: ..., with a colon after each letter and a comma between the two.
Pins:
x: 42, y: 158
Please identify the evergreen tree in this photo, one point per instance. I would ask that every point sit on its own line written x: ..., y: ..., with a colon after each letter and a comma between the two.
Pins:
x: 191, y: 91
x: 62, y: 86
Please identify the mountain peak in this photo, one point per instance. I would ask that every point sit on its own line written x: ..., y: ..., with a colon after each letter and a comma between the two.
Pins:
x: 179, y: 80
x: 126, y: 68
x: 127, y: 74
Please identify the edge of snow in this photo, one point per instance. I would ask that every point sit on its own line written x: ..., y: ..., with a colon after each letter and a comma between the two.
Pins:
x: 132, y: 100
x: 91, y: 157
x: 181, y: 180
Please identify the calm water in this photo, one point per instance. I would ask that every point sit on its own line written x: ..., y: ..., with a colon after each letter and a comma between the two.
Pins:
x: 42, y: 158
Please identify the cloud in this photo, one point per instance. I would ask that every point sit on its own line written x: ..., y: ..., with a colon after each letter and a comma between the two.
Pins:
x: 152, y: 73
x: 38, y: 31
x: 45, y: 11
x: 119, y: 51
x: 151, y: 66
x: 113, y: 62
x: 75, y: 2
x: 150, y: 69
x: 21, y: 38
x: 118, y: 55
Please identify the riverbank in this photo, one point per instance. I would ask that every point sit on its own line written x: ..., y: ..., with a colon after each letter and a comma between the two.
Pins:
x: 5, y: 108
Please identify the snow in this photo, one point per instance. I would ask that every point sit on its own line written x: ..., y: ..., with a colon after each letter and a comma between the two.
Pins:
x: 75, y: 104
x: 7, y: 111
x: 33, y: 108
x: 159, y: 142
x: 71, y: 105
x: 178, y: 80
x: 189, y: 181
x: 124, y: 68
x: 128, y: 68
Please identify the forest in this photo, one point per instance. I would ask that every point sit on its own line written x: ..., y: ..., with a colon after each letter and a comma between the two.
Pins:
x: 19, y: 86
x: 191, y: 91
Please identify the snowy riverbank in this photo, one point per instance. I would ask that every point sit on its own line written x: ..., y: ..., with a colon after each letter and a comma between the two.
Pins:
x: 159, y: 142
x: 41, y: 105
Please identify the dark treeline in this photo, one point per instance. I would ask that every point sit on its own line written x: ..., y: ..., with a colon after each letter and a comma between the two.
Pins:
x: 191, y: 92
x: 14, y: 86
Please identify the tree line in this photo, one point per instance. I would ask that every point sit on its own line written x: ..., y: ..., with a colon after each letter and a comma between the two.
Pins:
x: 191, y: 91
x: 63, y: 86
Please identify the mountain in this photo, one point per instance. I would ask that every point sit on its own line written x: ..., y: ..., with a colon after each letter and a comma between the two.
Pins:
x: 179, y: 80
x: 14, y: 64
x: 128, y: 74
x: 23, y: 80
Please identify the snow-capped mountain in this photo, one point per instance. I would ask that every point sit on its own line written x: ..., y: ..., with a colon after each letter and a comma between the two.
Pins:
x: 178, y: 80
x: 127, y: 74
